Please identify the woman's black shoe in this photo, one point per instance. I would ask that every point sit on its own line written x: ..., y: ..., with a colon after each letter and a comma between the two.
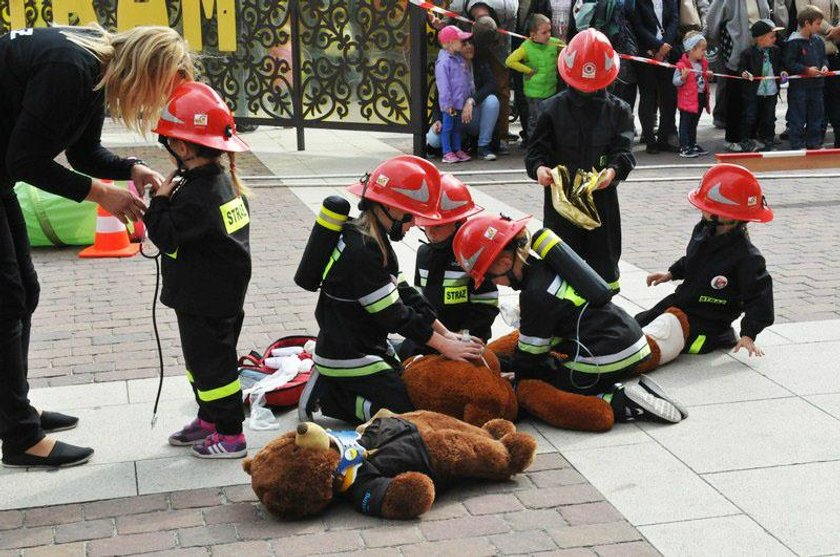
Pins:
x: 55, y: 421
x: 62, y: 455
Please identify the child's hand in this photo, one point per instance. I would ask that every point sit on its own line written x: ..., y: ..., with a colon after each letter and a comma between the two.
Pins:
x: 658, y: 278
x: 784, y: 76
x: 747, y: 75
x: 824, y: 70
x: 544, y: 176
x: 749, y: 344
x: 168, y: 185
x: 437, y: 126
x: 709, y: 75
x: 606, y: 179
x: 812, y: 71
x: 684, y: 73
x: 530, y: 74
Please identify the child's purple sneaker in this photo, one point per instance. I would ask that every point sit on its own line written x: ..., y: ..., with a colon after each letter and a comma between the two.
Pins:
x: 450, y: 158
x: 462, y: 156
x: 221, y: 446
x: 194, y: 432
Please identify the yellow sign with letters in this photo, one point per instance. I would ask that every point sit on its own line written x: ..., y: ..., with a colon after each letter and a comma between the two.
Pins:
x: 234, y: 215
x: 455, y: 295
x: 132, y: 13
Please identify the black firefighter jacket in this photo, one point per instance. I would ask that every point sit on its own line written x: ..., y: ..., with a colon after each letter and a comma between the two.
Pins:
x: 723, y: 277
x: 203, y: 232
x: 586, y: 132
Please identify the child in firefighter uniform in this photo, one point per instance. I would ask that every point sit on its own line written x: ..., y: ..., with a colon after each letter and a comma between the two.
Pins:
x: 364, y: 297
x: 585, y: 128
x: 459, y: 305
x: 602, y: 345
x: 200, y: 222
x: 724, y: 275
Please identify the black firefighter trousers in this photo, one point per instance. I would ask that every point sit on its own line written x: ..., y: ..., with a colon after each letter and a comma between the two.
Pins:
x: 209, y: 346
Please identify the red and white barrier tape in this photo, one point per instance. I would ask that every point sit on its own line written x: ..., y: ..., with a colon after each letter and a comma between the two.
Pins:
x: 428, y: 6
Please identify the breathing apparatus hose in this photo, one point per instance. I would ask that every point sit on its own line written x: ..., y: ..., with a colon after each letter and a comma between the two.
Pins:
x: 156, y: 258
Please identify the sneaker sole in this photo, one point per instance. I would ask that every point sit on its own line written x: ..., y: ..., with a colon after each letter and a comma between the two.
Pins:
x: 658, y: 407
x: 176, y: 443
x: 656, y: 390
x: 47, y: 466
x: 238, y: 454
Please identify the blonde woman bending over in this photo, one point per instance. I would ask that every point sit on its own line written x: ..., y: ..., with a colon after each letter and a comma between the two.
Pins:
x: 55, y: 87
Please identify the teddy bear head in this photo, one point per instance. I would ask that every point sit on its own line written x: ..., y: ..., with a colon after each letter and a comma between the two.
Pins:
x: 293, y: 475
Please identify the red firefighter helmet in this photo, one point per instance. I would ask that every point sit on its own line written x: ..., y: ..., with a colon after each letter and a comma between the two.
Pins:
x: 196, y: 113
x: 455, y: 203
x: 480, y: 240
x: 404, y: 182
x: 731, y: 191
x: 589, y: 62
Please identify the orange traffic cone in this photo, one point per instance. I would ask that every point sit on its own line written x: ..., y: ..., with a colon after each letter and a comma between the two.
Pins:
x: 111, y: 238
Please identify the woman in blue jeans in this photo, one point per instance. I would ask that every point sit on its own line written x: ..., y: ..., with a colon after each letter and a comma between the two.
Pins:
x: 481, y: 111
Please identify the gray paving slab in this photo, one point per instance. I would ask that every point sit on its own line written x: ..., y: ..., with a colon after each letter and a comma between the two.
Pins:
x: 795, y: 504
x: 751, y: 434
x: 90, y: 482
x: 648, y: 484
x: 733, y: 536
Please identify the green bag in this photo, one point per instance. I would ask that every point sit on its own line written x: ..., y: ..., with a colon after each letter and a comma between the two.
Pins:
x: 52, y: 220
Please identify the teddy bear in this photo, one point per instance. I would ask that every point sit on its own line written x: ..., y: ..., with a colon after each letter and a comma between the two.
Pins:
x: 550, y: 404
x: 474, y: 391
x: 389, y: 467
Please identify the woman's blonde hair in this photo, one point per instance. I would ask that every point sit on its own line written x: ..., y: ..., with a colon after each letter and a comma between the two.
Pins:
x: 140, y: 69
x: 368, y: 225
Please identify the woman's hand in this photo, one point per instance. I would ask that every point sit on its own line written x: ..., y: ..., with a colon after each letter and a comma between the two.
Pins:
x: 750, y: 346
x: 544, y: 176
x: 168, y: 186
x: 658, y: 278
x: 143, y: 176
x: 120, y: 202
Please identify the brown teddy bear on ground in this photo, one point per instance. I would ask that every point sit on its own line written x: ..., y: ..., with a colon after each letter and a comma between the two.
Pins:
x: 390, y: 470
x: 474, y: 392
x: 550, y: 404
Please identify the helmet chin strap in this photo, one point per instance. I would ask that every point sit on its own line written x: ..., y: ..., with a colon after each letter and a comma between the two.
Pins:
x: 395, y: 231
x: 163, y: 140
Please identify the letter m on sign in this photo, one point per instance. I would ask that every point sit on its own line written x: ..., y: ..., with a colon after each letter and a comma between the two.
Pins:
x: 225, y: 12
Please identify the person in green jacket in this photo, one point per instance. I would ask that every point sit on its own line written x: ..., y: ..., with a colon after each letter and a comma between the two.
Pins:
x: 537, y: 59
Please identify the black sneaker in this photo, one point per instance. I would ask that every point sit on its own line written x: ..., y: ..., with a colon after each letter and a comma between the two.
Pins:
x: 656, y: 390
x: 688, y: 153
x: 55, y: 421
x: 701, y: 152
x: 308, y: 402
x: 631, y: 403
x: 63, y: 455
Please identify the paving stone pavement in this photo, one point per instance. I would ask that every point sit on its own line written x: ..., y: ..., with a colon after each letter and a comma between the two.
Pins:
x: 480, y: 519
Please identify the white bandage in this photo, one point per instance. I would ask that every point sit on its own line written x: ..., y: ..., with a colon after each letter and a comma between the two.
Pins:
x: 668, y: 334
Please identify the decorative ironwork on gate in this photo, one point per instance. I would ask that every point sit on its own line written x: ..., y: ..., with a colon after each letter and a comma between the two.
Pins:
x: 351, y: 64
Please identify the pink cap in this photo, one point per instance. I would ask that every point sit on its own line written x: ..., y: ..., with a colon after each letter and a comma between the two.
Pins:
x: 451, y: 33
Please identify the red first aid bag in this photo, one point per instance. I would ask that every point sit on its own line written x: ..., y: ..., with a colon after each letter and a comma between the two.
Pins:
x: 252, y: 367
